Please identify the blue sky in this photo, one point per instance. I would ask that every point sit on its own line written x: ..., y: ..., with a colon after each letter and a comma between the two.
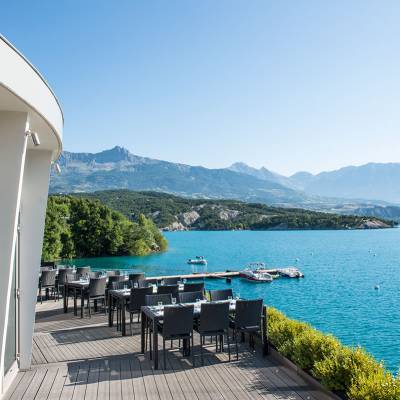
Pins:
x: 290, y: 85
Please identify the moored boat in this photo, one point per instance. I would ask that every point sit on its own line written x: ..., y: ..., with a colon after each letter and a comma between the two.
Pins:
x: 199, y: 260
x: 254, y: 273
x: 290, y: 272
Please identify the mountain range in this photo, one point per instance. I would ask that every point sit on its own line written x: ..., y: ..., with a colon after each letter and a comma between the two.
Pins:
x: 348, y: 189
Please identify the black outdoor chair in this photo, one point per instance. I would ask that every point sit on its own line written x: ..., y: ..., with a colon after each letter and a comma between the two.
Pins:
x: 214, y: 321
x: 247, y: 319
x: 48, y: 282
x: 137, y: 299
x: 96, y: 291
x: 113, y: 272
x: 168, y: 289
x: 193, y: 287
x: 177, y: 324
x: 96, y: 274
x: 62, y: 278
x: 171, y: 281
x: 83, y: 271
x: 151, y: 281
x: 154, y: 299
x: 136, y: 276
x: 190, y: 297
x: 217, y: 295
x: 48, y: 264
x: 114, y: 279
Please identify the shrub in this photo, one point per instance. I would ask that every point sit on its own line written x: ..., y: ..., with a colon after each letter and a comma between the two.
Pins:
x: 350, y: 370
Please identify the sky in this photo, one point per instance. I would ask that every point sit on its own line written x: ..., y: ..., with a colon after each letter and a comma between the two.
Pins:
x: 289, y: 85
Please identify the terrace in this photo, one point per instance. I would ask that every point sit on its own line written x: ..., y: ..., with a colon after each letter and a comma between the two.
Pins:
x: 85, y: 358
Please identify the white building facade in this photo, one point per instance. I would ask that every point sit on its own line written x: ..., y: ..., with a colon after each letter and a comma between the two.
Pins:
x: 31, y: 124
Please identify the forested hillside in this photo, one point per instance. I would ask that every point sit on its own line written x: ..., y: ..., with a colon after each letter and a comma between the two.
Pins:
x: 77, y: 227
x: 176, y: 213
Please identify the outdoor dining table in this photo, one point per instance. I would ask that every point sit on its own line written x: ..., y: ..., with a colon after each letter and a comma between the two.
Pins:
x: 121, y: 296
x: 154, y: 314
x: 78, y: 287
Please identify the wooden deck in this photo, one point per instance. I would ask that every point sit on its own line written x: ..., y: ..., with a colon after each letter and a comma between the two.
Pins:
x: 81, y: 359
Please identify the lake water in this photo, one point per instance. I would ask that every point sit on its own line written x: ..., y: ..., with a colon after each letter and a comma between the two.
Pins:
x: 337, y: 294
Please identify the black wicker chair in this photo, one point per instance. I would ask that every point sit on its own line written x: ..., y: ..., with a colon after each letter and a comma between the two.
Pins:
x: 62, y: 278
x: 214, y: 321
x: 154, y: 299
x: 190, y: 297
x: 113, y: 272
x: 96, y: 291
x: 247, y: 319
x: 136, y: 276
x: 83, y: 271
x: 171, y: 281
x: 168, y: 289
x: 218, y: 295
x: 193, y: 287
x: 47, y: 282
x: 137, y: 299
x: 177, y: 324
x: 96, y: 274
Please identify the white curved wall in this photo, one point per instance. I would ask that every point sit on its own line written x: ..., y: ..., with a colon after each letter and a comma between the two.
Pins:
x: 26, y: 102
x: 19, y: 77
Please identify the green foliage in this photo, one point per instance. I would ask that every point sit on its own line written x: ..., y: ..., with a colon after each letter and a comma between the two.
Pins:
x: 350, y: 370
x: 78, y: 227
x: 164, y: 209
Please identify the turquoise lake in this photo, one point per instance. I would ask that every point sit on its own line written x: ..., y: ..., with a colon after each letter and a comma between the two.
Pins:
x: 338, y: 292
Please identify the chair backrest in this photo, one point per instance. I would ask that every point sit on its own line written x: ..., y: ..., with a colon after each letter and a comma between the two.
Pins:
x: 143, y: 283
x: 248, y: 313
x: 151, y: 281
x: 166, y: 289
x: 190, y: 297
x: 224, y: 294
x: 178, y: 320
x: 97, y: 287
x: 96, y: 274
x: 83, y: 271
x: 70, y: 277
x: 171, y: 281
x: 113, y: 272
x: 62, y: 275
x: 214, y: 317
x: 49, y: 277
x: 137, y: 298
x: 121, y: 285
x: 136, y: 276
x: 48, y: 264
x: 154, y: 299
x: 193, y: 287
x: 113, y: 279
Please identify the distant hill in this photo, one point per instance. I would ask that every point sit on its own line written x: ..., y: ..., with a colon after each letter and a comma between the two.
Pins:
x: 371, y: 181
x: 176, y: 213
x: 347, y: 190
x: 117, y: 168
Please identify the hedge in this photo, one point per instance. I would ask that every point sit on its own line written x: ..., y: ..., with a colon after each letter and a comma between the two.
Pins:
x: 347, y: 370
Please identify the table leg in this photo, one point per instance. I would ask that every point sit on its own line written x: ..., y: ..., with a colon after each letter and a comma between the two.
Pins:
x: 75, y: 307
x: 155, y: 344
x: 143, y: 332
x: 110, y: 311
x: 65, y: 298
x: 82, y: 303
x: 123, y: 317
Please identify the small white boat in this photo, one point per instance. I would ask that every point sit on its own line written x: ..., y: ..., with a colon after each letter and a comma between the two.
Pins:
x: 199, y: 260
x: 254, y: 273
x: 290, y: 272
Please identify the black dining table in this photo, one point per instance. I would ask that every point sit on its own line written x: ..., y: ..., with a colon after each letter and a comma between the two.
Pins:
x: 121, y: 297
x: 154, y: 314
x: 78, y: 288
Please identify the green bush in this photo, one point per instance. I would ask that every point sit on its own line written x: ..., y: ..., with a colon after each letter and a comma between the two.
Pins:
x: 341, y: 368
